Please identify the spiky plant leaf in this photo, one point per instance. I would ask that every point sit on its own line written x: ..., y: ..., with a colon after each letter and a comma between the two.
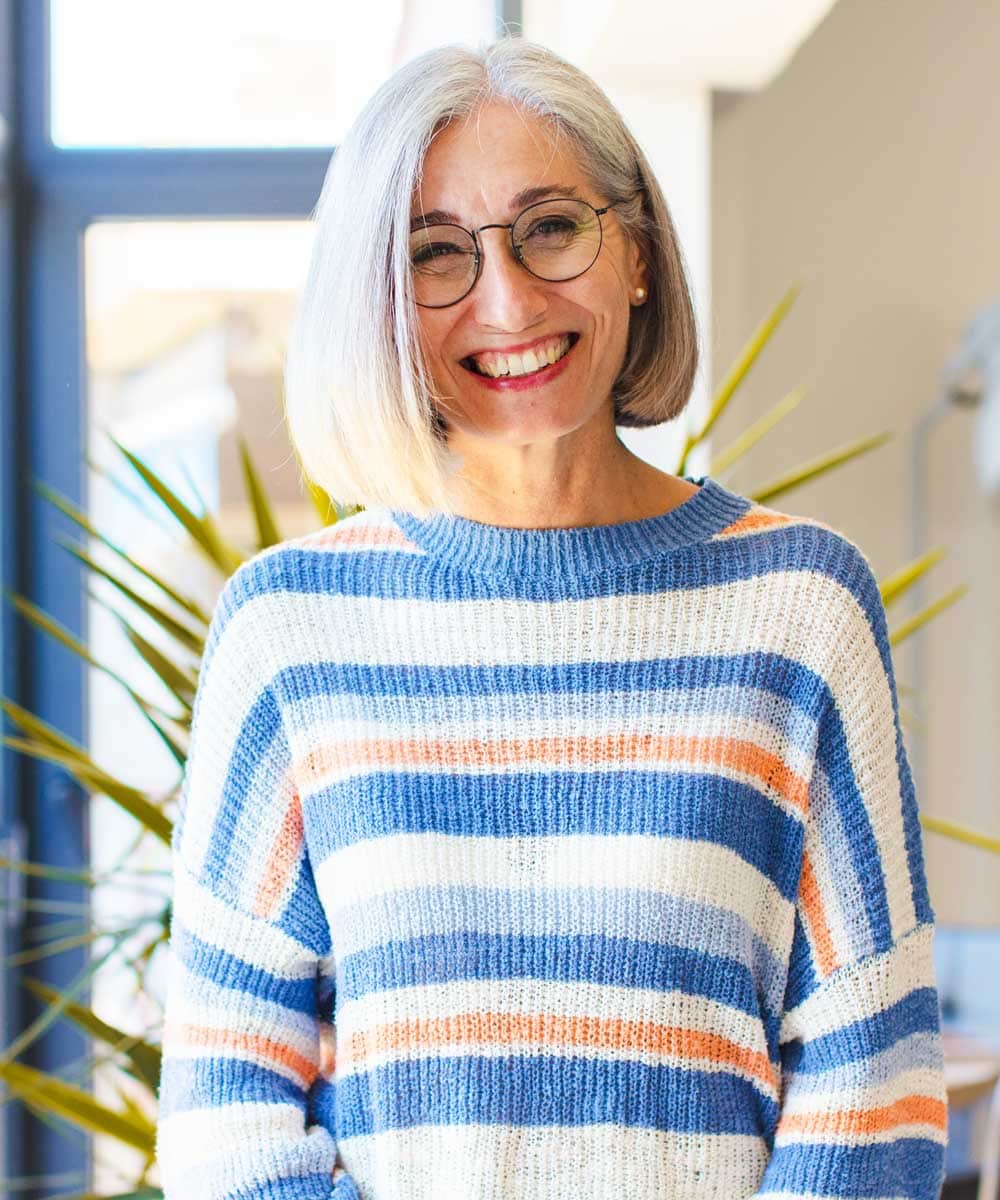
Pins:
x: 203, y: 530
x: 738, y: 372
x: 77, y: 1106
x: 187, y: 603
x: 814, y: 468
x: 145, y: 1058
x: 264, y: 518
x: 740, y: 446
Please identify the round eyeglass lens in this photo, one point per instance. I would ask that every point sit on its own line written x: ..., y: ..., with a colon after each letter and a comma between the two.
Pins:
x: 443, y: 263
x: 558, y: 239
x: 555, y: 240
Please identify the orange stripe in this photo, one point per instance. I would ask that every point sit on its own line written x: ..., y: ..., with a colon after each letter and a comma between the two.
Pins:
x: 284, y: 854
x: 753, y: 521
x: 812, y: 907
x: 604, y: 750
x: 205, y: 1037
x: 362, y: 537
x: 760, y: 518
x: 915, y: 1109
x: 602, y: 1033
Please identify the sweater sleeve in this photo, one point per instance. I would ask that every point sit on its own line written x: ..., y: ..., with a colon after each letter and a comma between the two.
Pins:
x: 249, y: 980
x: 863, y: 1108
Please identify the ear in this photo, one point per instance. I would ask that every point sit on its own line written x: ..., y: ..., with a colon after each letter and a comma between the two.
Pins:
x: 638, y: 272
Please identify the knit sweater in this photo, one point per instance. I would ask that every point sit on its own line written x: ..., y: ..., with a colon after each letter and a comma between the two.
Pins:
x: 551, y: 864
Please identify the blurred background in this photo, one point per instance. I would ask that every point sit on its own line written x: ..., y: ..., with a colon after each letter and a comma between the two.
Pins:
x: 159, y: 164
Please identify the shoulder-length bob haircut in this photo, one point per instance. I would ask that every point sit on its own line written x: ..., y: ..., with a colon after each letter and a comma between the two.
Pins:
x: 360, y: 403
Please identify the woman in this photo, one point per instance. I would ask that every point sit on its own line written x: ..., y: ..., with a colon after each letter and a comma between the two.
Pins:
x: 547, y: 830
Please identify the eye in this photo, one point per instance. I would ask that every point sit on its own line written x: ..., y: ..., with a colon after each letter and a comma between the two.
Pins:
x: 552, y: 226
x: 432, y: 250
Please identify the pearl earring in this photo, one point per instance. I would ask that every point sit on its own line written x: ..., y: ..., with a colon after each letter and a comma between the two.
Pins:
x: 640, y: 293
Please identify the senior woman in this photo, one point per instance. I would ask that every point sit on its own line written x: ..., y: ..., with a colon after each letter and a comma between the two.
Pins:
x: 547, y: 831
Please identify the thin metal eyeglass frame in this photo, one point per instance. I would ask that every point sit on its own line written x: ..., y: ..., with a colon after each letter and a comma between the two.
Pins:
x: 473, y: 233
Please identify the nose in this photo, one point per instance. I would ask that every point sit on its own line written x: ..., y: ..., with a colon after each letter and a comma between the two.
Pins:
x: 506, y: 296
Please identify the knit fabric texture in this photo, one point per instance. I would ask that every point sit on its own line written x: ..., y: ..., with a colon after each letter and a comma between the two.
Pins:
x: 551, y: 864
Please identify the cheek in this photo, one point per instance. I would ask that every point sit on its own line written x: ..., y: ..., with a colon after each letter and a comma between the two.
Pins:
x: 606, y: 297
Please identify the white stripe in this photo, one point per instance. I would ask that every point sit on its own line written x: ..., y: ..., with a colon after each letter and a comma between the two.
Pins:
x: 371, y: 629
x: 248, y: 938
x: 213, y: 1153
x: 918, y: 1082
x: 862, y: 695
x: 674, y: 866
x: 863, y: 989
x: 914, y: 1129
x: 552, y: 1162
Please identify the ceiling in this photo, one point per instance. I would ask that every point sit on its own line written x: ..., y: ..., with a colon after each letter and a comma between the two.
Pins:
x: 724, y: 44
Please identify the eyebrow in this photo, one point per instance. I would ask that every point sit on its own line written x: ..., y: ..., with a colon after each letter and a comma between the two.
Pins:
x: 441, y: 216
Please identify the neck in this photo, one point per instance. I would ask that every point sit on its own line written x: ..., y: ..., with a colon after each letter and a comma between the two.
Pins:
x: 624, y: 488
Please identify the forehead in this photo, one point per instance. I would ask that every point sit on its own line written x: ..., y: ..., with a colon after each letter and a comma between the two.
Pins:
x: 493, y: 163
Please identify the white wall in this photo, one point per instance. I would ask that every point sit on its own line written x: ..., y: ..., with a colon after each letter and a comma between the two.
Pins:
x: 869, y: 170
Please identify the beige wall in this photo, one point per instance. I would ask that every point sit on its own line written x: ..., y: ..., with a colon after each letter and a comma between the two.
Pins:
x: 870, y: 172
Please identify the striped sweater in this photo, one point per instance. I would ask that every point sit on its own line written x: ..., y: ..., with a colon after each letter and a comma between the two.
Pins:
x: 551, y: 864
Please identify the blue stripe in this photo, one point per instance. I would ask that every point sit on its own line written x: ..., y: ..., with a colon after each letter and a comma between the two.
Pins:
x: 833, y: 757
x: 611, y: 912
x: 390, y: 574
x: 802, y: 977
x: 240, y: 790
x: 216, y: 1081
x: 685, y: 804
x: 228, y: 971
x: 539, y: 1090
x: 910, y: 1167
x: 303, y: 918
x: 910, y: 1053
x: 619, y: 962
x: 866, y: 588
x: 312, y: 1186
x: 916, y: 1012
x: 799, y: 689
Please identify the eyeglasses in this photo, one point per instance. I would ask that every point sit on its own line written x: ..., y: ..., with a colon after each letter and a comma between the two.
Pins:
x: 555, y: 240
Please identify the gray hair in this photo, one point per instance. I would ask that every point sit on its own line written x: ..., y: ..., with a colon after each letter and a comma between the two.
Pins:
x: 359, y: 399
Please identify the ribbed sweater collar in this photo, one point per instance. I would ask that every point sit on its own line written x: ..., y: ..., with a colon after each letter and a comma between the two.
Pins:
x: 573, y: 550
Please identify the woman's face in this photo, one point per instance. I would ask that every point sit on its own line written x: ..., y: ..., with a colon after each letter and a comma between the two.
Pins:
x: 474, y: 169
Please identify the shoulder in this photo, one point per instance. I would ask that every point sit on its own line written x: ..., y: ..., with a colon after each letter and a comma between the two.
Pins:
x: 347, y: 556
x: 308, y: 561
x: 286, y: 587
x: 254, y: 580
x: 786, y: 541
x: 817, y: 576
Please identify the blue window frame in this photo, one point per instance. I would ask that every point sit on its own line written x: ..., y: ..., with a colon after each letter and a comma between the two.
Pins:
x: 48, y: 196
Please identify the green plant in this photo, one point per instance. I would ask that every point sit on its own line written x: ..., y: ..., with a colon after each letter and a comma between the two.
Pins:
x: 185, y: 623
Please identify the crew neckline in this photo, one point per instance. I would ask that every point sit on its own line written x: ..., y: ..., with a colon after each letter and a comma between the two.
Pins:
x: 573, y: 550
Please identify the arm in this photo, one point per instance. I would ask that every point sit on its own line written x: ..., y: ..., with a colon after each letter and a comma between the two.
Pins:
x: 248, y: 991
x: 863, y: 1102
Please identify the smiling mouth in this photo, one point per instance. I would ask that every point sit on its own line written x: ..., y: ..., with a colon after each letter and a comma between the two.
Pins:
x: 515, y: 366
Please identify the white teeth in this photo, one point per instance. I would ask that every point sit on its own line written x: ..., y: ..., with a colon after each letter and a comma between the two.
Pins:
x: 525, y: 363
